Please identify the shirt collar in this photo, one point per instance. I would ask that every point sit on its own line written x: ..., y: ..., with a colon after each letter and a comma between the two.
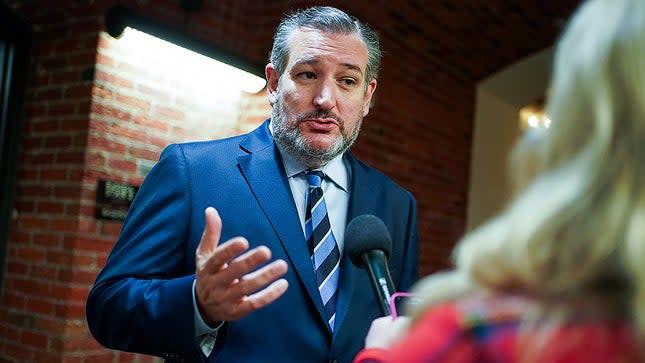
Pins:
x: 336, y: 170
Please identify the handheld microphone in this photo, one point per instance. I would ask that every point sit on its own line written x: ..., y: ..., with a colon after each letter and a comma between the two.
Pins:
x: 368, y: 244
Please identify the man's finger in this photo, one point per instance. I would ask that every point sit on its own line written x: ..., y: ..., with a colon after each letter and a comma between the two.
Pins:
x: 212, y: 232
x: 263, y: 297
x: 226, y: 252
x: 258, y: 279
x: 245, y: 263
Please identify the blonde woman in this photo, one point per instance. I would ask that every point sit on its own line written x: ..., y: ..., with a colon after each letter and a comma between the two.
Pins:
x: 559, y: 275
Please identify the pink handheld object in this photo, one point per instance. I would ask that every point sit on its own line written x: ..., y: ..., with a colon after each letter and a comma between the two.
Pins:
x: 394, y: 300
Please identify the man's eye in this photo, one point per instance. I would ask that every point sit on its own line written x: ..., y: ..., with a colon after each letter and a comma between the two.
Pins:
x: 307, y: 75
x: 348, y: 81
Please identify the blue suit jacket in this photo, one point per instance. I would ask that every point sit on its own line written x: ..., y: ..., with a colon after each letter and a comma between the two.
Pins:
x: 142, y: 299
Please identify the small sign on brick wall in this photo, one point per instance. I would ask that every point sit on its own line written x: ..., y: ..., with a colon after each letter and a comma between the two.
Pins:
x: 113, y: 199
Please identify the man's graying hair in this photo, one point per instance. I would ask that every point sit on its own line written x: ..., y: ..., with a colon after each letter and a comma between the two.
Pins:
x: 329, y: 20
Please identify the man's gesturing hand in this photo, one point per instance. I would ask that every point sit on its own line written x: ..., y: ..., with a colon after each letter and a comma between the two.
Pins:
x: 227, y: 287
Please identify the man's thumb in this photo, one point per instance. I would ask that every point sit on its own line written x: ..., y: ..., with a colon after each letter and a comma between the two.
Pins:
x: 212, y: 232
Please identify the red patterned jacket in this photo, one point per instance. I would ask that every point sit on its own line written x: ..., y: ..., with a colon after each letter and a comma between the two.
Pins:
x: 490, y: 331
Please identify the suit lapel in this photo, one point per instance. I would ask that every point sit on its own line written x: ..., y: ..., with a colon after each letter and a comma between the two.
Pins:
x: 263, y: 171
x: 361, y: 202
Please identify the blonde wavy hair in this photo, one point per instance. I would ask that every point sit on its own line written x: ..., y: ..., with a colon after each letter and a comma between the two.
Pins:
x: 576, y: 228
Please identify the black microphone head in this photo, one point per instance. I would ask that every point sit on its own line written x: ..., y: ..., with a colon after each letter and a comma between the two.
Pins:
x: 364, y: 233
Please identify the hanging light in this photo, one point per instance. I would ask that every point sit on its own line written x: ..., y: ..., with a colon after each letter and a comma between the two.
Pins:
x: 534, y: 116
x: 186, y: 56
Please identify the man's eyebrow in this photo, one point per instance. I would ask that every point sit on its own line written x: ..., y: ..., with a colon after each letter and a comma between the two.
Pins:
x: 310, y: 61
x: 301, y: 61
x: 353, y: 67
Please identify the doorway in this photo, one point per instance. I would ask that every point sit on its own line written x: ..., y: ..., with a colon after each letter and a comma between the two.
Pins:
x: 15, y: 45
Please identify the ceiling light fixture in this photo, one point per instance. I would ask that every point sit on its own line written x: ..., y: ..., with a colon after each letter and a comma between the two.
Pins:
x: 202, y: 59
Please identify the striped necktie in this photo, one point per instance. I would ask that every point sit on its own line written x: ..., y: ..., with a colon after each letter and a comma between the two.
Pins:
x: 323, y: 248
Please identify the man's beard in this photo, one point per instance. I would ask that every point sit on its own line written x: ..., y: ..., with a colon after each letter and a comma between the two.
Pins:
x: 289, y: 136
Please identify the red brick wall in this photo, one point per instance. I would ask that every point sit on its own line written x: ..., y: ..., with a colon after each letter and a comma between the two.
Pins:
x: 48, y: 269
x: 91, y: 115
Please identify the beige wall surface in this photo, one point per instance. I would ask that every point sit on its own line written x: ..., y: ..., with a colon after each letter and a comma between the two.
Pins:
x: 496, y: 127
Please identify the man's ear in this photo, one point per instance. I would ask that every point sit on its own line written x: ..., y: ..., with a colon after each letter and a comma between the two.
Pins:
x: 272, y: 82
x: 371, y: 87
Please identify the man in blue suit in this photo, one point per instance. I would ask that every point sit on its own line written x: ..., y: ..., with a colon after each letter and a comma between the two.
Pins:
x: 190, y: 284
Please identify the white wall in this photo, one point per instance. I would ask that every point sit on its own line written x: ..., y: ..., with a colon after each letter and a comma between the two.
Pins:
x: 496, y: 127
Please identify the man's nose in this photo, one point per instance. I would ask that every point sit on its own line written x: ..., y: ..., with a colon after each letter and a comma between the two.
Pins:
x: 325, y: 97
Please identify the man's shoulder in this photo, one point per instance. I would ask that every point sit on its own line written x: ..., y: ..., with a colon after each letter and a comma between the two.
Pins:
x: 373, y: 175
x: 250, y: 141
x: 199, y: 153
x: 207, y: 145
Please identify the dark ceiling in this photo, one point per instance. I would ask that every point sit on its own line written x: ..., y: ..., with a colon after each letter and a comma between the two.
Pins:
x: 463, y: 39
x: 467, y: 39
x: 474, y: 38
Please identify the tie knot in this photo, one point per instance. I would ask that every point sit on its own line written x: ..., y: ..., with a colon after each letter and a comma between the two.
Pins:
x: 315, y: 177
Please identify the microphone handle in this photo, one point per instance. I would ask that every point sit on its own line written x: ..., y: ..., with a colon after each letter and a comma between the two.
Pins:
x: 375, y: 263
